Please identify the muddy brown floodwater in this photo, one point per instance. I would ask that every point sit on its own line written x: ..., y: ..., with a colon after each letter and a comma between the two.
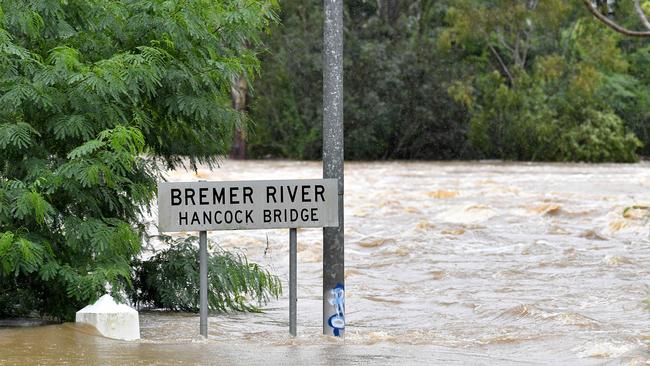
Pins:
x: 446, y: 263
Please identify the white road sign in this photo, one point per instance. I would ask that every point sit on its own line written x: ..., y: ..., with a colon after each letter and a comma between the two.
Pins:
x: 244, y: 205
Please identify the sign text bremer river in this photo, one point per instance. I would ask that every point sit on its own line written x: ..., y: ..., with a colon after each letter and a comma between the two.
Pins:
x: 198, y: 206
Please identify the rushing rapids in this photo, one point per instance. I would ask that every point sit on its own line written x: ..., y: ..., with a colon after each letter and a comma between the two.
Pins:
x: 465, y: 263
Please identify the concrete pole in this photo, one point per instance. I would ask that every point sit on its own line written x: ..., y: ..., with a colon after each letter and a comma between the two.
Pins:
x: 203, y: 282
x: 333, y: 259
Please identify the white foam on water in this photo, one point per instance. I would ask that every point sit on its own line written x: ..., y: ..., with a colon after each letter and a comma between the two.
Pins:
x: 467, y: 214
x: 604, y: 349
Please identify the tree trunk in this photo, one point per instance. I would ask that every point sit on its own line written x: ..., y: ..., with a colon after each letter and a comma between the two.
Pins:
x: 388, y: 10
x: 239, y: 93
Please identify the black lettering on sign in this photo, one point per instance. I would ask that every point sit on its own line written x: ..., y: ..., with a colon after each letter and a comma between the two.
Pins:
x: 176, y: 197
x: 182, y: 218
x: 270, y: 193
x: 293, y: 215
x: 319, y: 190
x: 203, y: 196
x: 304, y: 214
x: 249, y: 216
x: 267, y: 216
x: 195, y: 218
x: 248, y: 195
x: 189, y: 195
x: 305, y: 194
x: 277, y: 215
x: 238, y: 218
x: 218, y: 196
x: 216, y: 219
x: 228, y: 217
x: 207, y: 217
x: 314, y: 212
x: 233, y: 195
x: 292, y: 195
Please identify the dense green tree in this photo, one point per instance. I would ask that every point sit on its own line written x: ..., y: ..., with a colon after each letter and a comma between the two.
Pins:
x: 287, y: 99
x: 509, y: 79
x: 549, y: 83
x: 396, y: 105
x: 94, y: 93
x: 631, y: 96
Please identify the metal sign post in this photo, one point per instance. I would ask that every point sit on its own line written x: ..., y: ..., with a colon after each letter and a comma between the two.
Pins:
x: 293, y: 281
x: 203, y: 281
x: 333, y: 244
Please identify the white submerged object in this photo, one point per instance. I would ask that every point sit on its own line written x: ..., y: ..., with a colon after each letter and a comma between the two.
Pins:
x: 112, y: 320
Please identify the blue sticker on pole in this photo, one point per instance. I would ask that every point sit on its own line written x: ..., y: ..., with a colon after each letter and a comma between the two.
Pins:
x: 337, y: 299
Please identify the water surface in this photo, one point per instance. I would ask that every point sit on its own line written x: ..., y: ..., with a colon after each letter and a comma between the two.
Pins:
x: 446, y: 263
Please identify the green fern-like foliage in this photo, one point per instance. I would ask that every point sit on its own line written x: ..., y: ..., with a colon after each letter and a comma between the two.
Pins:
x: 95, y: 94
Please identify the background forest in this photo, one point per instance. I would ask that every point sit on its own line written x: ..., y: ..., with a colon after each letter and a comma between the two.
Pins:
x: 459, y: 79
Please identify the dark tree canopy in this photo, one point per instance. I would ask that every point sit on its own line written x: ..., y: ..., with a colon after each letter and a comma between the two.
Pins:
x: 506, y: 79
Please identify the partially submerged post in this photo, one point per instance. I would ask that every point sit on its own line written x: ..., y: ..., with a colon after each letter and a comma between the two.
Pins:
x: 203, y: 282
x: 293, y: 281
x: 333, y: 244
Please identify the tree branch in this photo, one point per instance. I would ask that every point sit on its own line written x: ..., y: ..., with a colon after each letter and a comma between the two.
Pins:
x: 504, y: 43
x: 641, y: 14
x: 608, y: 22
x: 502, y: 64
x: 527, y: 46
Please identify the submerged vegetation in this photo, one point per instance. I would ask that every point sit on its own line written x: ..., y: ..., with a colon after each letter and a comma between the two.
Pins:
x: 170, y: 280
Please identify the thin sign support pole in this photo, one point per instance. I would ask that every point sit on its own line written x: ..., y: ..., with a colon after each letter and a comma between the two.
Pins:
x: 293, y: 279
x: 203, y: 281
x: 333, y: 243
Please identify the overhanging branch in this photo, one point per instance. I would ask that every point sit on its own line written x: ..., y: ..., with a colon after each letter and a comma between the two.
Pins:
x: 610, y: 23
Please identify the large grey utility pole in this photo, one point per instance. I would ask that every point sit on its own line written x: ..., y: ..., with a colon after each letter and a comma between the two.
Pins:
x: 333, y: 263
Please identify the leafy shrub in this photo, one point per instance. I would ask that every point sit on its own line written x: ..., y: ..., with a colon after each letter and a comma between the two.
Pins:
x: 600, y: 137
x: 520, y: 122
x: 170, y: 279
x: 67, y: 223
